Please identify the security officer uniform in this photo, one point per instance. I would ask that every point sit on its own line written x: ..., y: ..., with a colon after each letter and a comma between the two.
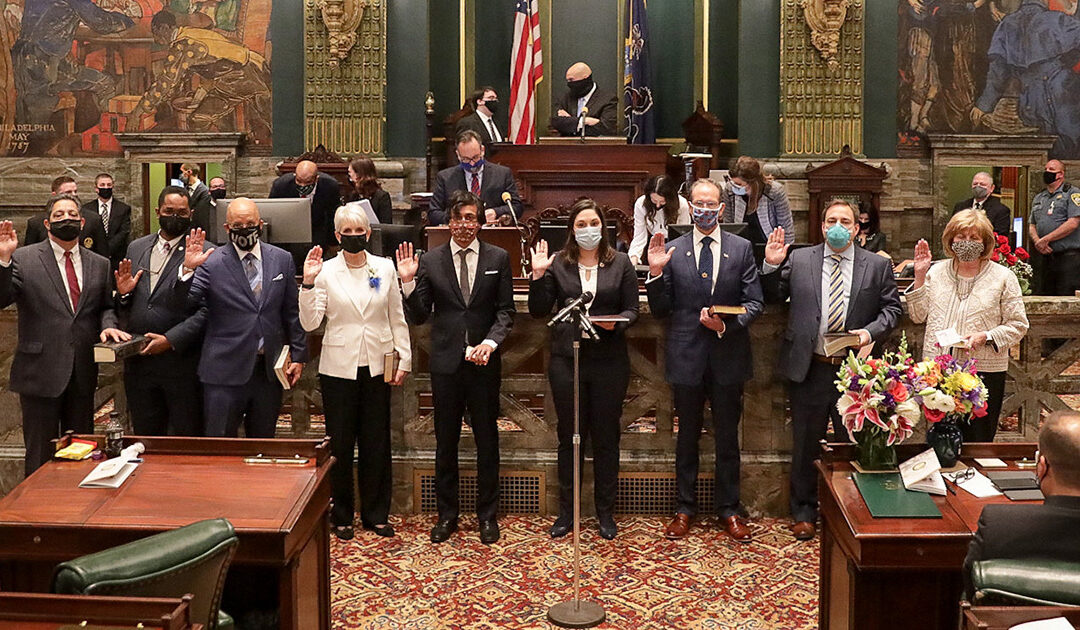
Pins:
x: 1061, y: 275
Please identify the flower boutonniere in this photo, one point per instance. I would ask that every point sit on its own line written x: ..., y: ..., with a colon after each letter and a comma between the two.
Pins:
x: 373, y: 278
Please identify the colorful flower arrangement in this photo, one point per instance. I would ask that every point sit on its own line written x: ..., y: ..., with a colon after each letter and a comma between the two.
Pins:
x: 877, y: 395
x: 946, y: 388
x: 1015, y: 260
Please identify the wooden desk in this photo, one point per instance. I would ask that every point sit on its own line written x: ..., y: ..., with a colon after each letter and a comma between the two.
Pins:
x: 1005, y: 617
x: 550, y: 175
x: 37, y: 611
x: 887, y: 573
x: 280, y: 513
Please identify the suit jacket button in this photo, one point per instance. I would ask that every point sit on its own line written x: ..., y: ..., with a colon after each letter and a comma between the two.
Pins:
x: 149, y: 307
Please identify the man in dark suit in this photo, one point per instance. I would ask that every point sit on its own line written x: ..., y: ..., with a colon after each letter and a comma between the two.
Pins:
x: 708, y: 357
x: 982, y: 189
x: 835, y: 287
x: 485, y: 104
x: 582, y: 92
x: 1050, y: 530
x: 199, y: 198
x: 325, y: 195
x: 487, y: 180
x: 467, y: 283
x: 163, y: 389
x: 64, y: 298
x: 252, y: 313
x: 92, y: 235
x: 115, y: 217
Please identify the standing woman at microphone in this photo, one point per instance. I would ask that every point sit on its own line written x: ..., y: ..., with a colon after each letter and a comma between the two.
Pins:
x: 587, y: 263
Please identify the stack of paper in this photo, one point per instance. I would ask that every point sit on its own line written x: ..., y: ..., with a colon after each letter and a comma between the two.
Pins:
x: 111, y: 473
x: 923, y: 473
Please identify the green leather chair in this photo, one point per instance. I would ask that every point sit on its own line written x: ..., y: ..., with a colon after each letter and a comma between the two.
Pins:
x: 1026, y: 582
x: 192, y: 559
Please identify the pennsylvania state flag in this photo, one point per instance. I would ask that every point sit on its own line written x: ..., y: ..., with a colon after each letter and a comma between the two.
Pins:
x: 640, y: 128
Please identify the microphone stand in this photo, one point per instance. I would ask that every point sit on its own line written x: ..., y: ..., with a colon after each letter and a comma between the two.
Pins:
x: 521, y: 239
x: 576, y: 613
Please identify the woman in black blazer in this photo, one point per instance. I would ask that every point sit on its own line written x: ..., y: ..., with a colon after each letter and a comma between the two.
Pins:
x: 587, y: 263
x: 366, y: 186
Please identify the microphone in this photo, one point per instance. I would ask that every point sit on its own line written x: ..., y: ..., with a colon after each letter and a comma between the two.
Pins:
x: 572, y: 305
x: 521, y: 237
x: 581, y: 120
x: 509, y: 206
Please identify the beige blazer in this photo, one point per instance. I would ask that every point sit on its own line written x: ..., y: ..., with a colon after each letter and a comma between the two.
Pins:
x: 362, y: 323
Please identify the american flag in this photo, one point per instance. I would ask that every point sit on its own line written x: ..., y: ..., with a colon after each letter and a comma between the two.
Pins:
x: 526, y: 71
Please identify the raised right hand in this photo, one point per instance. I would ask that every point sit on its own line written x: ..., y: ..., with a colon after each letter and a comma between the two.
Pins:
x: 194, y: 256
x: 540, y: 259
x: 659, y: 255
x: 922, y: 260
x: 125, y: 283
x: 407, y: 262
x: 312, y: 264
x: 775, y: 248
x: 9, y: 240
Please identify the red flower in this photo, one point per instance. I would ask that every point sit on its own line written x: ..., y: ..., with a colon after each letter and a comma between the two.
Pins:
x: 1012, y: 259
x: 1002, y: 240
x: 996, y: 257
x: 1005, y: 249
x: 1022, y: 253
x: 933, y: 415
x: 979, y: 411
x: 898, y: 391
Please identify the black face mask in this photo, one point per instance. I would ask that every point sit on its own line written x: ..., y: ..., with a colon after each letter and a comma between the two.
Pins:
x: 174, y: 225
x: 1049, y: 178
x: 493, y: 106
x: 354, y: 243
x: 580, y: 87
x: 245, y: 238
x: 218, y: 193
x: 305, y: 190
x: 66, y: 230
x: 104, y: 193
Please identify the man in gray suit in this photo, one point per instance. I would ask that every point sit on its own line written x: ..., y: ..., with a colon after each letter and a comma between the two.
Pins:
x: 64, y: 296
x: 163, y: 390
x: 834, y: 287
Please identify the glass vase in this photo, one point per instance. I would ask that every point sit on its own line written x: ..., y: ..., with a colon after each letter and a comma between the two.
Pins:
x: 873, y: 453
x: 946, y: 438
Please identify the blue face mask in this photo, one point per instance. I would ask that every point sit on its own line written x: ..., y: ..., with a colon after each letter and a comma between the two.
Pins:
x: 738, y: 190
x: 838, y: 236
x: 704, y: 218
x: 472, y: 167
x: 588, y: 237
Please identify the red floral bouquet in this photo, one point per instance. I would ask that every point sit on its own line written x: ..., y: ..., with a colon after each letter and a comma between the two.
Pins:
x: 1016, y: 260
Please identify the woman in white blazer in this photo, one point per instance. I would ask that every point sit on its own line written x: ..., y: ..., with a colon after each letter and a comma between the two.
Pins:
x: 357, y: 293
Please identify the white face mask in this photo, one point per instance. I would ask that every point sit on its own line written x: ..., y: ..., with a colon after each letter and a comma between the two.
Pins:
x: 738, y: 190
x: 588, y: 237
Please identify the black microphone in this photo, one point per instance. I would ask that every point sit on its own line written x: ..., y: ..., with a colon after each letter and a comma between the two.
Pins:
x: 576, y: 303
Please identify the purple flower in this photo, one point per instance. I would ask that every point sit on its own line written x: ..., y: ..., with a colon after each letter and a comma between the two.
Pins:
x: 373, y: 282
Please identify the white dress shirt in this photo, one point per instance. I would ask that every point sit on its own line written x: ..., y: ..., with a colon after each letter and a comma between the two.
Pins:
x: 847, y: 264
x: 490, y: 125
x: 585, y: 99
x: 61, y: 263
x: 714, y: 247
x: 588, y: 281
x: 159, y: 257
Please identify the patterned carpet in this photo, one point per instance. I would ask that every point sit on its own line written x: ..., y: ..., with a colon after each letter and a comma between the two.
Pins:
x: 706, y: 581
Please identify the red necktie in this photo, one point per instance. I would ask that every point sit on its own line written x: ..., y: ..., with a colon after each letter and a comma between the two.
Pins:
x: 476, y: 184
x: 73, y: 281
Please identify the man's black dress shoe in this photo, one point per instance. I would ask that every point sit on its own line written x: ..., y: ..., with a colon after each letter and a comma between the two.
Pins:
x: 442, y: 530
x: 489, y: 531
x: 607, y: 526
x: 561, y: 527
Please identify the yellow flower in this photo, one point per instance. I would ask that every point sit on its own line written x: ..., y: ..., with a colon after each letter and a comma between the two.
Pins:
x: 966, y: 382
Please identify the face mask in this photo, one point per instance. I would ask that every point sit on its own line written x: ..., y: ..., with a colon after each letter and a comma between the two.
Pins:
x: 66, y: 230
x: 968, y: 251
x: 738, y: 190
x: 864, y: 227
x: 174, y: 225
x: 104, y: 193
x: 580, y: 88
x: 353, y: 243
x: 245, y: 238
x: 493, y: 106
x: 305, y: 190
x: 704, y: 218
x: 838, y: 236
x: 463, y: 231
x: 980, y: 192
x: 473, y: 167
x: 218, y: 193
x: 588, y: 237
x: 1049, y: 178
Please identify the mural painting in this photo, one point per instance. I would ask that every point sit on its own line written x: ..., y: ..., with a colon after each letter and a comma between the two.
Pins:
x: 989, y: 66
x: 74, y: 73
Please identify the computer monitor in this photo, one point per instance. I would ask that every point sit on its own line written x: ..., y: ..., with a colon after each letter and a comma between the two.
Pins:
x: 385, y: 238
x: 287, y: 220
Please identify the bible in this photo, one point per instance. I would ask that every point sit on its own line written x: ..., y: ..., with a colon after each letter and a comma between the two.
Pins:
x: 723, y: 310
x: 113, y: 351
x: 280, y: 365
x: 391, y: 361
x: 836, y: 343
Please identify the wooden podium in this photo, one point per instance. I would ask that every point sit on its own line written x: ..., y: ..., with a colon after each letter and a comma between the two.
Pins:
x: 508, y: 238
x: 560, y: 170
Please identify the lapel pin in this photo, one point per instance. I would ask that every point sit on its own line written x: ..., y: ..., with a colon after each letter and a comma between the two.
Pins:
x: 689, y: 253
x: 725, y: 255
x: 704, y: 274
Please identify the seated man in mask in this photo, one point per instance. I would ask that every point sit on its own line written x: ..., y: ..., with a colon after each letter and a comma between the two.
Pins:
x: 582, y: 92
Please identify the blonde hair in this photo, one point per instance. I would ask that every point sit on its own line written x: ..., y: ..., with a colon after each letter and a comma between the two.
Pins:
x: 965, y: 220
x: 351, y: 214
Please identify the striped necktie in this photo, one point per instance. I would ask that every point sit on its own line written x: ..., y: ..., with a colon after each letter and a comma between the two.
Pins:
x: 836, y: 317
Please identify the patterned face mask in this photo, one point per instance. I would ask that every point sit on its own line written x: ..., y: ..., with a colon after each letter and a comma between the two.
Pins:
x: 704, y: 218
x: 464, y: 231
x: 968, y: 251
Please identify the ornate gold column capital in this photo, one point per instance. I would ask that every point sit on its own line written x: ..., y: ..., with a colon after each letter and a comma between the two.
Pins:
x: 825, y: 19
x: 342, y: 20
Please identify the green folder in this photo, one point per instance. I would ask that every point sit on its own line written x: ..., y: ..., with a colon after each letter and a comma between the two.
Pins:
x: 886, y: 497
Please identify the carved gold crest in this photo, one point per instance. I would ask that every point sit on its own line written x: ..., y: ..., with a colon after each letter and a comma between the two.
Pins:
x: 342, y: 21
x: 825, y: 19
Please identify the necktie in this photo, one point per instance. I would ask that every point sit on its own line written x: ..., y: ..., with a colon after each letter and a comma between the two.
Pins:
x: 476, y: 184
x: 463, y: 276
x: 835, y: 318
x: 252, y: 272
x: 73, y: 281
x: 491, y: 129
x: 705, y: 261
x: 165, y: 247
x: 105, y: 216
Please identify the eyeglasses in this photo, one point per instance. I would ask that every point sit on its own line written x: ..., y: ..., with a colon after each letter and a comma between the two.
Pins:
x: 708, y: 205
x: 964, y: 475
